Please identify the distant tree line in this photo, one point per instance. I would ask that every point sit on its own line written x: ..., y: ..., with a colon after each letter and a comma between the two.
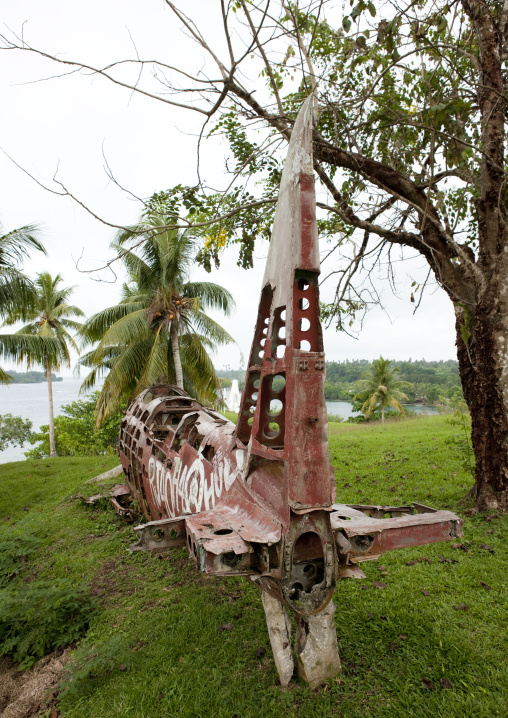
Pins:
x: 30, y: 377
x: 429, y: 380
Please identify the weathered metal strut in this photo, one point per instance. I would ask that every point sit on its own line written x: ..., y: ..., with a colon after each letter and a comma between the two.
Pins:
x: 258, y: 499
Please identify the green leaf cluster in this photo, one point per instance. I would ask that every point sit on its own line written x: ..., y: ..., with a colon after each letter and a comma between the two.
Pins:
x: 161, y: 321
x: 42, y: 617
x: 14, y: 430
x: 14, y: 549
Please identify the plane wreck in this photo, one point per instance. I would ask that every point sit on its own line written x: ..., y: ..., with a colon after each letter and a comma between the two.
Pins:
x: 259, y: 499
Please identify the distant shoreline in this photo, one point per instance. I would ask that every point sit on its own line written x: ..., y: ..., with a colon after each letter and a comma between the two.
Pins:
x: 31, y: 377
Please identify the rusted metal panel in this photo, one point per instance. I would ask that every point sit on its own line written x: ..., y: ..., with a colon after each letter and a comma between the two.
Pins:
x: 257, y: 499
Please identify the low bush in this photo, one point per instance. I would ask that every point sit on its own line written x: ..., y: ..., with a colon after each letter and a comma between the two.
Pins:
x: 76, y: 433
x: 13, y: 553
x: 41, y: 617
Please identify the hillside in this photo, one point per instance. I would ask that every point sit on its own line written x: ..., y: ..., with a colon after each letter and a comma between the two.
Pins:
x: 167, y: 641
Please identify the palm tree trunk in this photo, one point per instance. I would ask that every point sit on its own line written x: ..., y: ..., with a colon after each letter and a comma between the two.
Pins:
x: 382, y: 414
x: 52, y: 447
x: 176, y: 356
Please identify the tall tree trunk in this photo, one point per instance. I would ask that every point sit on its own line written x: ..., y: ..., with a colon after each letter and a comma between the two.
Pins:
x: 483, y: 362
x: 382, y: 414
x: 52, y: 447
x: 176, y: 355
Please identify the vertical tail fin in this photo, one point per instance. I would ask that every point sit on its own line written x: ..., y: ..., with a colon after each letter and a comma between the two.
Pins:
x: 283, y: 410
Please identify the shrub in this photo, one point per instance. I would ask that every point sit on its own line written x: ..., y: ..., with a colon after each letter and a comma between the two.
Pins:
x: 13, y: 552
x: 41, y: 617
x: 336, y: 418
x: 76, y: 433
x: 14, y: 430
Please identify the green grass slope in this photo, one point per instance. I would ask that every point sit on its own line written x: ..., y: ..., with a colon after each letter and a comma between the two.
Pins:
x: 169, y: 642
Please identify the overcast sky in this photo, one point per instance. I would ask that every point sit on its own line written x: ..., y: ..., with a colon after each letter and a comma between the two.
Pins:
x: 69, y: 125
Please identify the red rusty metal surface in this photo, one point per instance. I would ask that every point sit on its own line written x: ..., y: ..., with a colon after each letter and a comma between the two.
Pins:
x: 257, y: 499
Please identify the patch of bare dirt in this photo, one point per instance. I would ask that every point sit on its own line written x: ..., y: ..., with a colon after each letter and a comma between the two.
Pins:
x: 23, y: 694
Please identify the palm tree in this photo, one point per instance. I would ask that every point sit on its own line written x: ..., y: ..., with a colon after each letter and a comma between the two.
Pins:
x: 17, y: 291
x: 160, y: 326
x: 48, y: 319
x: 380, y: 387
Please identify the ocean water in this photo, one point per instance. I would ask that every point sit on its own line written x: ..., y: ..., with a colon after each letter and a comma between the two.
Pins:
x: 31, y: 402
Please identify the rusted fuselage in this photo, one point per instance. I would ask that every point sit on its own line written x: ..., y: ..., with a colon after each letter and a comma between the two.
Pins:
x: 258, y: 499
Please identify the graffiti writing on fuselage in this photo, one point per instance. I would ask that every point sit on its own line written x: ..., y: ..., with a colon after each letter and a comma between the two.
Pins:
x: 186, y: 489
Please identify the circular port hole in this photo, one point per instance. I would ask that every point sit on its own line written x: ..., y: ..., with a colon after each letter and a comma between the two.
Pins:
x: 281, y: 350
x: 275, y: 407
x: 283, y: 315
x: 267, y: 320
x: 303, y: 284
x: 305, y: 346
x: 265, y: 330
x: 282, y: 333
x: 304, y: 325
x: 263, y: 342
x: 278, y: 382
x: 309, y: 570
x: 303, y: 304
x: 250, y: 421
x: 294, y: 591
x: 223, y: 532
x: 255, y: 384
x: 261, y: 354
x: 254, y: 396
x: 158, y: 535
x: 271, y: 430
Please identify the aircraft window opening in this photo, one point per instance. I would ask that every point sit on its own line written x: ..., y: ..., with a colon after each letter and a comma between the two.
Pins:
x: 144, y: 417
x: 138, y: 434
x: 195, y: 438
x: 140, y: 451
x: 209, y: 452
x: 148, y: 397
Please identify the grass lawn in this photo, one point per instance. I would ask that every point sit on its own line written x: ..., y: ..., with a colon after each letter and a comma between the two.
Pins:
x: 432, y: 643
